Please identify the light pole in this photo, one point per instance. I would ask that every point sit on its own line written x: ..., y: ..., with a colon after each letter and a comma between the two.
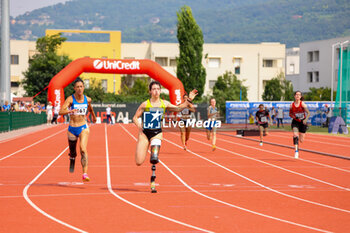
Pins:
x: 333, y: 45
x: 341, y: 73
x: 5, y: 73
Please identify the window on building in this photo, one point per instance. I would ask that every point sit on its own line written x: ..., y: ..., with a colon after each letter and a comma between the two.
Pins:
x: 87, y: 83
x: 14, y: 84
x: 309, y: 77
x: 316, y: 55
x: 14, y: 60
x: 310, y: 56
x: 172, y: 62
x: 212, y: 83
x: 316, y: 77
x: 238, y: 70
x: 214, y: 62
x: 163, y: 61
x: 104, y: 84
x: 291, y: 69
x: 268, y: 63
x: 237, y: 64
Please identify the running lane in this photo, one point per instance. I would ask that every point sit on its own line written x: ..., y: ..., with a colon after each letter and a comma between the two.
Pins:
x: 16, y: 172
x: 90, y: 206
x: 176, y: 201
x: 249, y: 195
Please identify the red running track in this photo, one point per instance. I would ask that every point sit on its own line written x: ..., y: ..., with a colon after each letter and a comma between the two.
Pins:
x: 240, y: 187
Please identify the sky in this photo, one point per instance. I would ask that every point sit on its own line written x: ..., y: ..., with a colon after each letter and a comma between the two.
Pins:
x: 18, y: 7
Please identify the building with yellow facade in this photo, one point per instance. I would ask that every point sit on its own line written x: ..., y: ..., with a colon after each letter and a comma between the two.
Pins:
x: 110, y: 49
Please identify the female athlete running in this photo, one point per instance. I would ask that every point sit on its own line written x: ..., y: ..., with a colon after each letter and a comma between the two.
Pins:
x: 213, y: 114
x: 77, y: 105
x: 262, y: 116
x: 300, y: 114
x: 185, y: 129
x: 150, y: 130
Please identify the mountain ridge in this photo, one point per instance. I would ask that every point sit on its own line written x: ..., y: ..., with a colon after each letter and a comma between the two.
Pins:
x: 249, y: 21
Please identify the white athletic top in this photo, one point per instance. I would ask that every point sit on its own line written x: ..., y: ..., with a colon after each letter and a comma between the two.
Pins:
x: 108, y: 111
x: 49, y: 109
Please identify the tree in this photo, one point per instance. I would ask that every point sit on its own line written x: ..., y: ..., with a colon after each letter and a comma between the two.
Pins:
x: 43, y: 66
x: 95, y: 91
x: 189, y: 64
x: 277, y: 89
x: 319, y: 94
x: 228, y: 87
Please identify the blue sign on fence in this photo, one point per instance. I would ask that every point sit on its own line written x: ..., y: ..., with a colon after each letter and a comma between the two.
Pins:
x: 238, y: 112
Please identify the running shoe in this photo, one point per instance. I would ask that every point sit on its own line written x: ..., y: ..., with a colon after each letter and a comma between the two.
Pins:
x: 153, y: 187
x: 185, y: 148
x: 296, y: 155
x: 213, y: 147
x: 260, y: 144
x: 86, y: 178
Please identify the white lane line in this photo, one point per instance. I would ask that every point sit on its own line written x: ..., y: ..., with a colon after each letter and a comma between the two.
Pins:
x: 287, y: 156
x: 25, y: 195
x: 7, y: 156
x: 26, y: 134
x: 109, y: 185
x: 255, y: 182
x: 226, y: 203
x: 281, y: 168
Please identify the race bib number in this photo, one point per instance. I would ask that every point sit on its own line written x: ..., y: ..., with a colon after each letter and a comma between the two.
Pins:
x: 186, y: 111
x: 300, y: 115
x: 81, y: 109
x: 263, y: 119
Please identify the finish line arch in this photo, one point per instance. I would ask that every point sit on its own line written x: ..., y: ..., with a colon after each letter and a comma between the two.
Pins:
x: 113, y: 66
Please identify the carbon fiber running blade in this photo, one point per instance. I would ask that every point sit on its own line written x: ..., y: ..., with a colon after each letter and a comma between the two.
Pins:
x: 71, y: 165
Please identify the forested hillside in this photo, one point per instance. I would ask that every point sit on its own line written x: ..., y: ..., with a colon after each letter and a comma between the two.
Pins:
x: 224, y: 21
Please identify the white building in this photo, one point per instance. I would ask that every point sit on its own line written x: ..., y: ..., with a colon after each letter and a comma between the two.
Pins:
x: 253, y: 63
x: 316, y: 64
x: 21, y: 51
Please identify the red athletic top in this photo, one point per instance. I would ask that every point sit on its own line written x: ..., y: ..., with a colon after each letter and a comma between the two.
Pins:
x: 298, y: 113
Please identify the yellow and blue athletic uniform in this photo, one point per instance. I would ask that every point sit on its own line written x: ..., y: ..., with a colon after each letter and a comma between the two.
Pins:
x: 81, y: 110
x: 152, y: 119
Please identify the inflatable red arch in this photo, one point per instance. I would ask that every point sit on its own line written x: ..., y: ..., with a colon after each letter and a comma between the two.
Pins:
x: 113, y: 66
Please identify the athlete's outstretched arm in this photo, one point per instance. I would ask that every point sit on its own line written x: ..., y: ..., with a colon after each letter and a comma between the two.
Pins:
x: 64, y: 110
x: 91, y: 110
x: 138, y: 114
x: 186, y: 104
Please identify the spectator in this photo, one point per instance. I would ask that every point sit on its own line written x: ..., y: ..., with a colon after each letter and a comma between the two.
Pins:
x: 279, y: 117
x: 251, y: 119
x: 55, y: 115
x: 6, y: 107
x: 329, y: 114
x: 108, y: 113
x: 273, y: 114
x: 49, y: 113
x: 13, y: 107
